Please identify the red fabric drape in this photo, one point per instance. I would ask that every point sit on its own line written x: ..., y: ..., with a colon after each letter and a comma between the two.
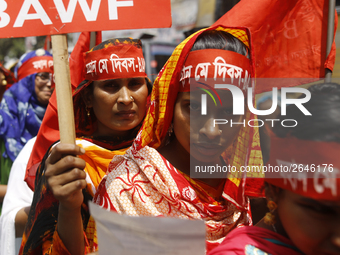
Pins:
x: 289, y: 38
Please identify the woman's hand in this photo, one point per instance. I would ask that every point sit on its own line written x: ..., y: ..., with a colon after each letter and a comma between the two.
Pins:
x: 66, y: 178
x: 65, y: 175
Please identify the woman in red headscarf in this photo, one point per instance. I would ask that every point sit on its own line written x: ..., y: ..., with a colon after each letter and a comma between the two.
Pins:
x: 109, y: 106
x: 153, y: 178
x: 23, y: 106
x: 6, y: 80
x: 304, y: 193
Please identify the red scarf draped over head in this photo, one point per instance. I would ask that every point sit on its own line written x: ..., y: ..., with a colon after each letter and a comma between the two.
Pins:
x: 246, y: 151
x: 143, y: 182
x: 308, y: 168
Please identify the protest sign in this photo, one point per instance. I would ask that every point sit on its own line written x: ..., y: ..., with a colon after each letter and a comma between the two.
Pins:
x: 128, y: 235
x: 23, y: 18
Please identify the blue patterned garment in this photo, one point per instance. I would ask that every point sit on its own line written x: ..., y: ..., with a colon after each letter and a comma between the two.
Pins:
x: 20, y: 112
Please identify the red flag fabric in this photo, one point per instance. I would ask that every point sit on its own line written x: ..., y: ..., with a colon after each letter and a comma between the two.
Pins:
x: 289, y: 38
x: 47, y: 43
x: 49, y: 129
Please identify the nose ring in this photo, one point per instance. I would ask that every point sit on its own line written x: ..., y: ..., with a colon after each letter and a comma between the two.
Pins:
x: 132, y: 99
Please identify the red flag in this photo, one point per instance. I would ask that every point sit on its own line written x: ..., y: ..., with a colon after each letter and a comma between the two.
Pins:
x: 49, y: 129
x: 48, y: 43
x: 289, y: 37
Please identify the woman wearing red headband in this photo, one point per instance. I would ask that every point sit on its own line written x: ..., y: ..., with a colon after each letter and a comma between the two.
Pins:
x: 304, y: 193
x: 23, y: 105
x: 109, y: 106
x: 153, y: 178
x: 6, y: 80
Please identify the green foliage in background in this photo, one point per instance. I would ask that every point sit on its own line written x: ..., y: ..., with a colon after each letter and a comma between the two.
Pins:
x: 15, y: 47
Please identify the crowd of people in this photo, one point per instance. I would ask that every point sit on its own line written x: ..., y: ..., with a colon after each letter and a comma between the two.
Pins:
x: 137, y: 144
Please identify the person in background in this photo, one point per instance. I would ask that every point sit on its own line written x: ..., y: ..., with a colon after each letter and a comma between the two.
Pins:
x: 153, y: 178
x: 109, y: 107
x: 16, y: 203
x: 23, y: 106
x: 6, y: 80
x: 304, y: 205
x: 19, y: 195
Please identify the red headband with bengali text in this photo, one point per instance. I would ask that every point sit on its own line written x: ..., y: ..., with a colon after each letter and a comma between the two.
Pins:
x: 204, y: 66
x: 36, y: 64
x: 114, y: 62
x: 309, y: 168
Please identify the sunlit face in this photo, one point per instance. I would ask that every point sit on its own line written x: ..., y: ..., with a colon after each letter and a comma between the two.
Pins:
x: 119, y: 104
x: 201, y: 136
x: 43, y: 87
x: 312, y: 225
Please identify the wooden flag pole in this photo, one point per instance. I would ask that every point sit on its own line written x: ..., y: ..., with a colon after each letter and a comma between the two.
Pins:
x: 63, y: 89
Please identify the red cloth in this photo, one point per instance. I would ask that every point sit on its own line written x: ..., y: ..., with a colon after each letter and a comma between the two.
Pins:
x: 127, y: 61
x: 308, y: 168
x: 289, y: 38
x: 48, y: 43
x: 253, y: 240
x: 35, y: 65
x: 49, y: 129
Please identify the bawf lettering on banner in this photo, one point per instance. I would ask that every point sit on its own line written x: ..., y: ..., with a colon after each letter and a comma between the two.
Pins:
x: 35, y: 17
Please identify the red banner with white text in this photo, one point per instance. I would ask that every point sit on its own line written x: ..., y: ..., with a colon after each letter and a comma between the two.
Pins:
x: 21, y: 18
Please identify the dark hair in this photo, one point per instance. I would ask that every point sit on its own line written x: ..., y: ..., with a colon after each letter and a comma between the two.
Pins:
x: 215, y: 39
x: 118, y: 41
x: 325, y: 88
x: 324, y: 124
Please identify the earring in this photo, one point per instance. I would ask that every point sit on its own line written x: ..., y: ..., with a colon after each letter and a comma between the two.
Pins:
x: 88, y: 111
x: 269, y: 219
x: 171, y: 130
x: 4, y: 82
x: 132, y: 99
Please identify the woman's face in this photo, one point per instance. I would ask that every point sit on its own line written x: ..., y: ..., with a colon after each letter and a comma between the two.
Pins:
x: 43, y: 87
x: 312, y: 225
x: 119, y: 104
x: 201, y: 135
